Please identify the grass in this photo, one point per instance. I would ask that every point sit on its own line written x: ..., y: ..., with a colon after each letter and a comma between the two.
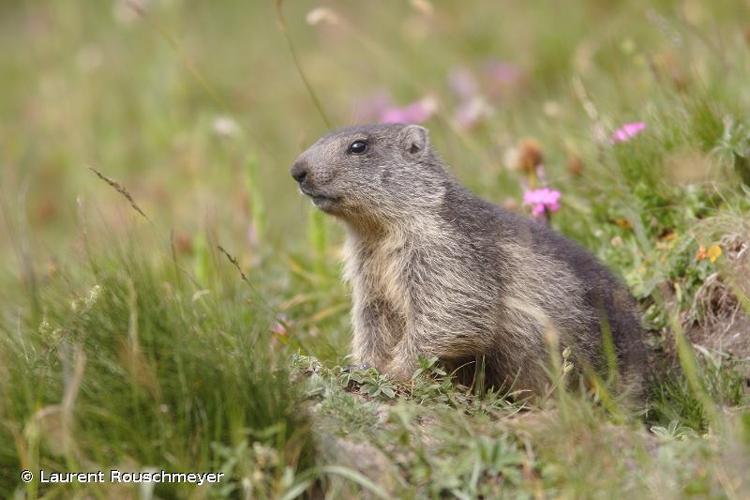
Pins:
x: 130, y: 364
x: 169, y: 302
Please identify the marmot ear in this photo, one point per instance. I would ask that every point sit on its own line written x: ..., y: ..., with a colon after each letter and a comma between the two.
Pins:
x: 414, y: 141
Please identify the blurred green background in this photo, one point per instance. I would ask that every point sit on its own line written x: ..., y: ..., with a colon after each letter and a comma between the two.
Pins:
x: 172, y: 98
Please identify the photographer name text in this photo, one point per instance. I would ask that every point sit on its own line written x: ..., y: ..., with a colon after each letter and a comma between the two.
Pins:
x: 117, y: 476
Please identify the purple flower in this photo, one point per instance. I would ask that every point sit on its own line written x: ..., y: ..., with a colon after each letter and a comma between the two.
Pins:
x: 463, y: 83
x: 542, y: 201
x: 372, y: 107
x: 502, y: 72
x: 627, y: 132
x: 278, y: 328
x: 471, y: 112
x: 416, y: 112
x: 502, y: 79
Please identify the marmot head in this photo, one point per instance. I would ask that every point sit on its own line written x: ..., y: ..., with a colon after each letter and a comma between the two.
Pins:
x: 371, y: 172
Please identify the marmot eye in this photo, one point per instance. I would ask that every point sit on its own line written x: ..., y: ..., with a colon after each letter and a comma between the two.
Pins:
x: 357, y: 147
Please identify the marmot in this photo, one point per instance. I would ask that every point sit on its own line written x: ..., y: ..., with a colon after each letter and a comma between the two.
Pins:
x: 438, y: 272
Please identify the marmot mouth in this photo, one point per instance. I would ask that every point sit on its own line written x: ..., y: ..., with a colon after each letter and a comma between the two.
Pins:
x: 320, y: 200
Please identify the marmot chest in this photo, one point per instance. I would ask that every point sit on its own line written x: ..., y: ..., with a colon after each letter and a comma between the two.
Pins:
x: 382, y: 272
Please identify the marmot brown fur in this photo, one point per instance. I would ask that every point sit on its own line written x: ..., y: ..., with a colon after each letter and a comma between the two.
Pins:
x: 437, y: 272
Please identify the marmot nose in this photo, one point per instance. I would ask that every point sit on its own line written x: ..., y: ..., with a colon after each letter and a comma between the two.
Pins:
x: 299, y: 171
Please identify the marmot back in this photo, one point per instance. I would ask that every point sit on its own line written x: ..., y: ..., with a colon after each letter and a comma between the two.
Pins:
x: 436, y: 271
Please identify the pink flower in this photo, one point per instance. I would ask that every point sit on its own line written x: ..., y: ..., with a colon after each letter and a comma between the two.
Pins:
x: 463, y: 83
x: 502, y: 79
x: 279, y: 326
x: 470, y: 113
x: 416, y: 112
x: 542, y: 201
x: 627, y: 132
x: 503, y: 72
x: 370, y: 108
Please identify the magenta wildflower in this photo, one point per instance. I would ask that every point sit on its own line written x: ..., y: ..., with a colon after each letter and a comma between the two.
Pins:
x: 463, y: 83
x: 471, y: 112
x: 472, y: 107
x: 416, y: 112
x: 370, y: 108
x: 542, y: 201
x: 503, y: 72
x: 502, y: 79
x: 627, y: 132
x: 278, y: 328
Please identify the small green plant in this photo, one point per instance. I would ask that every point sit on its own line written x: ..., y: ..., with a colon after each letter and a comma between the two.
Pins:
x: 369, y: 381
x: 734, y: 147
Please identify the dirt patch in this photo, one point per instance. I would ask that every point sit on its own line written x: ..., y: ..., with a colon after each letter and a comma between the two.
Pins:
x: 719, y: 319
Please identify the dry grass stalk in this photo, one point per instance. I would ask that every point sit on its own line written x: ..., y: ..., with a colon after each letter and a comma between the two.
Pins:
x: 120, y: 189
